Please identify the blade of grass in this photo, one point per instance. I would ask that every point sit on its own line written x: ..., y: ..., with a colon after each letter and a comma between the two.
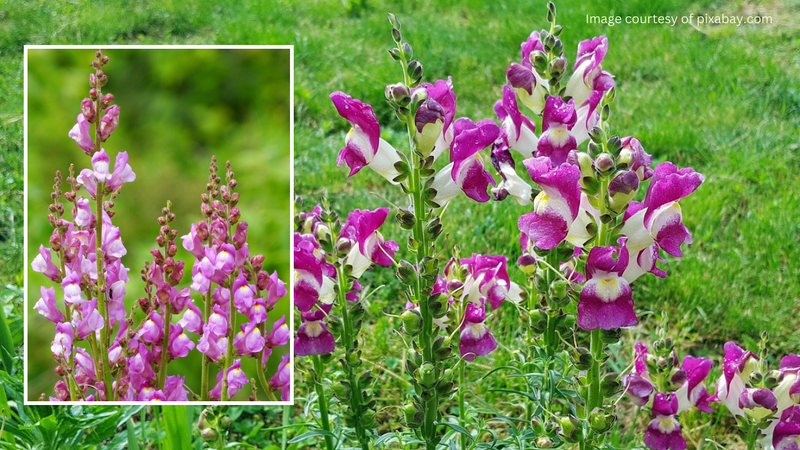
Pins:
x: 6, y: 343
x: 176, y: 428
x: 133, y: 443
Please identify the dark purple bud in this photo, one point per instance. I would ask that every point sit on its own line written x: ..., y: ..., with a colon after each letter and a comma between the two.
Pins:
x: 520, y: 77
x: 263, y: 280
x: 258, y: 262
x: 624, y: 183
x: 429, y: 112
x: 240, y: 235
x: 604, y: 162
x: 104, y: 60
x: 177, y: 273
x: 202, y: 230
x: 235, y: 198
x: 157, y: 256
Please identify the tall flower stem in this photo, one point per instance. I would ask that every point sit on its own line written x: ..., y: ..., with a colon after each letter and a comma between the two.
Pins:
x: 102, y: 298
x: 322, y: 401
x: 229, y: 351
x: 206, y: 360
x: 462, y: 409
x: 594, y: 397
x: 162, y: 373
x: 348, y: 338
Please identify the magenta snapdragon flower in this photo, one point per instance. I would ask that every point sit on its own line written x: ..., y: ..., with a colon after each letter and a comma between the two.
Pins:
x: 664, y: 431
x: 80, y: 133
x: 313, y: 337
x: 363, y: 145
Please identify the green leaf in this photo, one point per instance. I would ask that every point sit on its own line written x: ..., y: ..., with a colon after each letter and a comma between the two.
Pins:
x: 310, y: 434
x: 458, y: 428
x: 6, y: 343
x: 176, y: 427
x: 133, y: 443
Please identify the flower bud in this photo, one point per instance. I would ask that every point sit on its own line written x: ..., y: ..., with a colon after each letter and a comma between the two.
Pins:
x: 240, y: 235
x: 342, y: 390
x: 772, y: 379
x: 412, y: 416
x: 600, y: 421
x: 570, y: 429
x: 604, y: 163
x: 527, y: 263
x: 537, y: 319
x: 93, y: 81
x: 209, y: 435
x: 263, y: 280
x: 582, y: 358
x: 426, y: 375
x: 225, y: 422
x: 343, y: 247
x: 610, y: 384
x: 412, y: 322
x: 398, y: 94
x: 406, y: 273
x: 87, y: 109
x: 544, y: 442
x: 415, y: 71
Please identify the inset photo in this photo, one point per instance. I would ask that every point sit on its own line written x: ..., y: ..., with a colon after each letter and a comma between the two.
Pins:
x: 158, y: 224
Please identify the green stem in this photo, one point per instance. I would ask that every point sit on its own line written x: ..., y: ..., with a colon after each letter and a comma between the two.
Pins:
x: 263, y: 379
x: 323, y: 403
x: 206, y: 360
x: 462, y: 410
x: 348, y: 339
x: 162, y: 373
x: 229, y: 351
x: 752, y: 437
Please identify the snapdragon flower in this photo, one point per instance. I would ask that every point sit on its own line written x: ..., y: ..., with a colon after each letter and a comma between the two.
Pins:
x: 364, y: 146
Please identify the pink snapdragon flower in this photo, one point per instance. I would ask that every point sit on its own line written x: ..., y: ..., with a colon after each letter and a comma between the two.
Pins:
x: 43, y: 263
x: 46, y: 306
x: 80, y: 133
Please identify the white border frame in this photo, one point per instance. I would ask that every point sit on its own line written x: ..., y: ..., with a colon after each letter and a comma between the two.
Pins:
x: 290, y: 237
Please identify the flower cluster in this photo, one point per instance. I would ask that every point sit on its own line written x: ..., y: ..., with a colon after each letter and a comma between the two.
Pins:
x: 329, y: 259
x: 764, y: 400
x: 232, y: 281
x: 473, y: 284
x: 128, y: 361
x: 669, y: 387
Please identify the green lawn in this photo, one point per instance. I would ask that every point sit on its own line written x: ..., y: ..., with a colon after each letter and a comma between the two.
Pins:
x: 726, y: 102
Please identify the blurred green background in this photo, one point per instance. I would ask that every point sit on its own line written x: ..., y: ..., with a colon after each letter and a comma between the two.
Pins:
x: 178, y: 107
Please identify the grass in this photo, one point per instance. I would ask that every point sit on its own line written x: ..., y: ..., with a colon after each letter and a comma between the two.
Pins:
x: 726, y: 103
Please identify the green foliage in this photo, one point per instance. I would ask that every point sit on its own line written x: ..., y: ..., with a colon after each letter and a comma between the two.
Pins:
x: 176, y: 426
x: 49, y: 427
